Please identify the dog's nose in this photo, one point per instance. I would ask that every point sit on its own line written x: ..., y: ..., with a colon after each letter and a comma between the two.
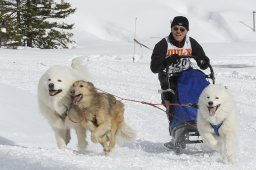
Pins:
x: 72, y: 92
x: 210, y: 103
x: 51, y: 86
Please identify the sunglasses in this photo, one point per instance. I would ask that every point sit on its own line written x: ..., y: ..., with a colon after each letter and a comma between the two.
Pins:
x: 179, y: 28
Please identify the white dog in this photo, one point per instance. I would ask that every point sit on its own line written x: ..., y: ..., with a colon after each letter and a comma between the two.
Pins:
x: 217, y: 122
x: 54, y: 101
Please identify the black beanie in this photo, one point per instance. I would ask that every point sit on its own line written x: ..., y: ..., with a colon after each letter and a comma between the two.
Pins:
x: 181, y: 21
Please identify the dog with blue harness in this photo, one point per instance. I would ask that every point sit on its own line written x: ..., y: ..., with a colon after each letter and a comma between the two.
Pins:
x: 217, y: 121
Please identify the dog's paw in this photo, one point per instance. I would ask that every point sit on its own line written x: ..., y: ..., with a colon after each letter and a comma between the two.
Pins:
x: 62, y: 146
x: 106, y: 150
x: 82, y: 146
x: 229, y: 158
x: 68, y: 151
x: 82, y: 149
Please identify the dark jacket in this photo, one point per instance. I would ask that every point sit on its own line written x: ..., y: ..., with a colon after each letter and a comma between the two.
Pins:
x: 159, y: 53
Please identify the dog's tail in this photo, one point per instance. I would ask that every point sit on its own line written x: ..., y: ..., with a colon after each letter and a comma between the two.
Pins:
x: 77, y: 64
x: 125, y: 133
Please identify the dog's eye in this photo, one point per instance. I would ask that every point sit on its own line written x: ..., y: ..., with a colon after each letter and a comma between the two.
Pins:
x: 49, y: 79
x: 59, y: 81
x: 216, y: 97
x: 81, y: 85
x: 208, y: 97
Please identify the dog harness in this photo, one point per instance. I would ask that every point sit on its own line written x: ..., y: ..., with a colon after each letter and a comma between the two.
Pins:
x: 216, y: 128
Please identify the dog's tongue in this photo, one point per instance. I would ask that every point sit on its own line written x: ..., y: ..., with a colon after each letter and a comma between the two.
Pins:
x: 52, y: 92
x: 77, y: 99
x: 212, y: 110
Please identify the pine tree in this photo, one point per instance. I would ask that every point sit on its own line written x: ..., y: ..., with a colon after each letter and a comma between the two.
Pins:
x: 10, y: 33
x: 36, y: 23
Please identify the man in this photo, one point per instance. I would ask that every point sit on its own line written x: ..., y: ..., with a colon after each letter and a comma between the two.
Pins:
x: 166, y: 55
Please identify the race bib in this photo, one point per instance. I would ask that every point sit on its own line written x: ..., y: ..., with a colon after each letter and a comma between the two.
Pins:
x: 186, y: 50
x: 184, y: 64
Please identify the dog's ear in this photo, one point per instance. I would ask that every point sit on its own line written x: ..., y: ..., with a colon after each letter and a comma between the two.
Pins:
x: 82, y: 81
x: 73, y: 84
x: 76, y: 82
x: 91, y: 85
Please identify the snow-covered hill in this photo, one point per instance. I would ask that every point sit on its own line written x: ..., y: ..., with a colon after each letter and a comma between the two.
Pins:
x: 210, y: 21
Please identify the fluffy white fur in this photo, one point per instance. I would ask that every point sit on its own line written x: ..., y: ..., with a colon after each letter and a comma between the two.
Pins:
x: 216, y: 105
x: 54, y: 100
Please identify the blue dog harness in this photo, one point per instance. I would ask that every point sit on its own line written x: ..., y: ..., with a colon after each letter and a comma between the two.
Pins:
x: 216, y: 128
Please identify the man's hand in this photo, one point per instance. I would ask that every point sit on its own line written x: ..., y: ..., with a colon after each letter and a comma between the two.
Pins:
x: 174, y: 58
x: 203, y: 62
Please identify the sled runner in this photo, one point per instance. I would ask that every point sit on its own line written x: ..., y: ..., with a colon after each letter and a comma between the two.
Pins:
x: 182, y: 126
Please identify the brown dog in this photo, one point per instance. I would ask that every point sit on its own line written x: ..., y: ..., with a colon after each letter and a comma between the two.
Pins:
x: 101, y: 113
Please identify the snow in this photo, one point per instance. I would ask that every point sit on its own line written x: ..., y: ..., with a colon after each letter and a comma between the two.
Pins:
x: 104, y: 33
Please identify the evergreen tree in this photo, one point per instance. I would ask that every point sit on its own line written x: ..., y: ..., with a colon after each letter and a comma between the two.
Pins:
x: 10, y: 32
x: 36, y: 23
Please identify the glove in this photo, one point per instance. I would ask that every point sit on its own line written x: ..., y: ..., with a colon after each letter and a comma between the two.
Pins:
x: 203, y: 62
x: 174, y: 58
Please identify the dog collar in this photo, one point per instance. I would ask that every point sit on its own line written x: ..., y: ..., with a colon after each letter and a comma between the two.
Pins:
x: 216, y: 128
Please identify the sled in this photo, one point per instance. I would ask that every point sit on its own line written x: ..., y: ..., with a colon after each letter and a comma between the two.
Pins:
x: 182, y: 128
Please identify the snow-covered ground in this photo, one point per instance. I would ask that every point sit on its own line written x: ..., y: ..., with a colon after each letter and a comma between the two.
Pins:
x: 104, y: 35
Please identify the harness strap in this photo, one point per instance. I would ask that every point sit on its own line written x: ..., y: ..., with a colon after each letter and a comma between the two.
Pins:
x: 157, y: 105
x: 216, y: 128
